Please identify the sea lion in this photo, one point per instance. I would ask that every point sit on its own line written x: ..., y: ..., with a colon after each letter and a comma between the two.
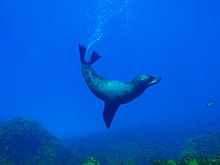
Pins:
x: 112, y: 92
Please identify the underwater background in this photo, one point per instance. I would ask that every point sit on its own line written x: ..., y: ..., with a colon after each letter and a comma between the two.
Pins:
x: 43, y: 94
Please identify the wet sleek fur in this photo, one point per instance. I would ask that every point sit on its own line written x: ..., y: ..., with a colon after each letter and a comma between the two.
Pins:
x: 112, y: 92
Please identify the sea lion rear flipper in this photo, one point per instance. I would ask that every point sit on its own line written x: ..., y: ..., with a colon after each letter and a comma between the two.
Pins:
x: 82, y: 52
x: 109, y: 112
x: 94, y: 57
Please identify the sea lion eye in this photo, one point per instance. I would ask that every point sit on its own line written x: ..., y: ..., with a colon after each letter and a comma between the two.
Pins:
x: 141, y: 81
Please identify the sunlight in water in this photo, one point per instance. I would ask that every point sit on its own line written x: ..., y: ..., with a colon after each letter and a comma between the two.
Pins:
x: 106, y: 10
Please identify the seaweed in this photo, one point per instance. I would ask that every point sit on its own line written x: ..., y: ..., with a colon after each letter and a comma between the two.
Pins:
x: 188, y: 161
x: 23, y: 141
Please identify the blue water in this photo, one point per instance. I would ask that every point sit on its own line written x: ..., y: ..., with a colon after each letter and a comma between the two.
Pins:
x: 40, y: 70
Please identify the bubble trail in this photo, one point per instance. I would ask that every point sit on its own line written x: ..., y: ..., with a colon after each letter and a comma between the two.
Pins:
x: 104, y: 11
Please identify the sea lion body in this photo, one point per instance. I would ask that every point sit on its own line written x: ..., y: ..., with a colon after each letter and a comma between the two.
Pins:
x: 107, y: 90
x: 112, y: 92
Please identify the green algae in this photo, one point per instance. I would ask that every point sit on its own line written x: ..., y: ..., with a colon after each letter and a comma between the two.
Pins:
x: 90, y: 161
x: 188, y: 161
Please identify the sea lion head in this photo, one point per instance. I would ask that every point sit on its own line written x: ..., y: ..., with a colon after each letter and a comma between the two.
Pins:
x: 147, y: 80
x: 143, y: 81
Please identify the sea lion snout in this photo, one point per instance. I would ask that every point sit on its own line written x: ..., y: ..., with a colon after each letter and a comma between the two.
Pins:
x: 149, y: 80
x: 155, y: 80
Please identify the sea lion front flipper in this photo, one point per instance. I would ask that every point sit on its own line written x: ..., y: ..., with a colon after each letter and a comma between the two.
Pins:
x: 109, y: 112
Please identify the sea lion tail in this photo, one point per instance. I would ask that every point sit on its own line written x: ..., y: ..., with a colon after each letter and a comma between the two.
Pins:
x: 82, y: 52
